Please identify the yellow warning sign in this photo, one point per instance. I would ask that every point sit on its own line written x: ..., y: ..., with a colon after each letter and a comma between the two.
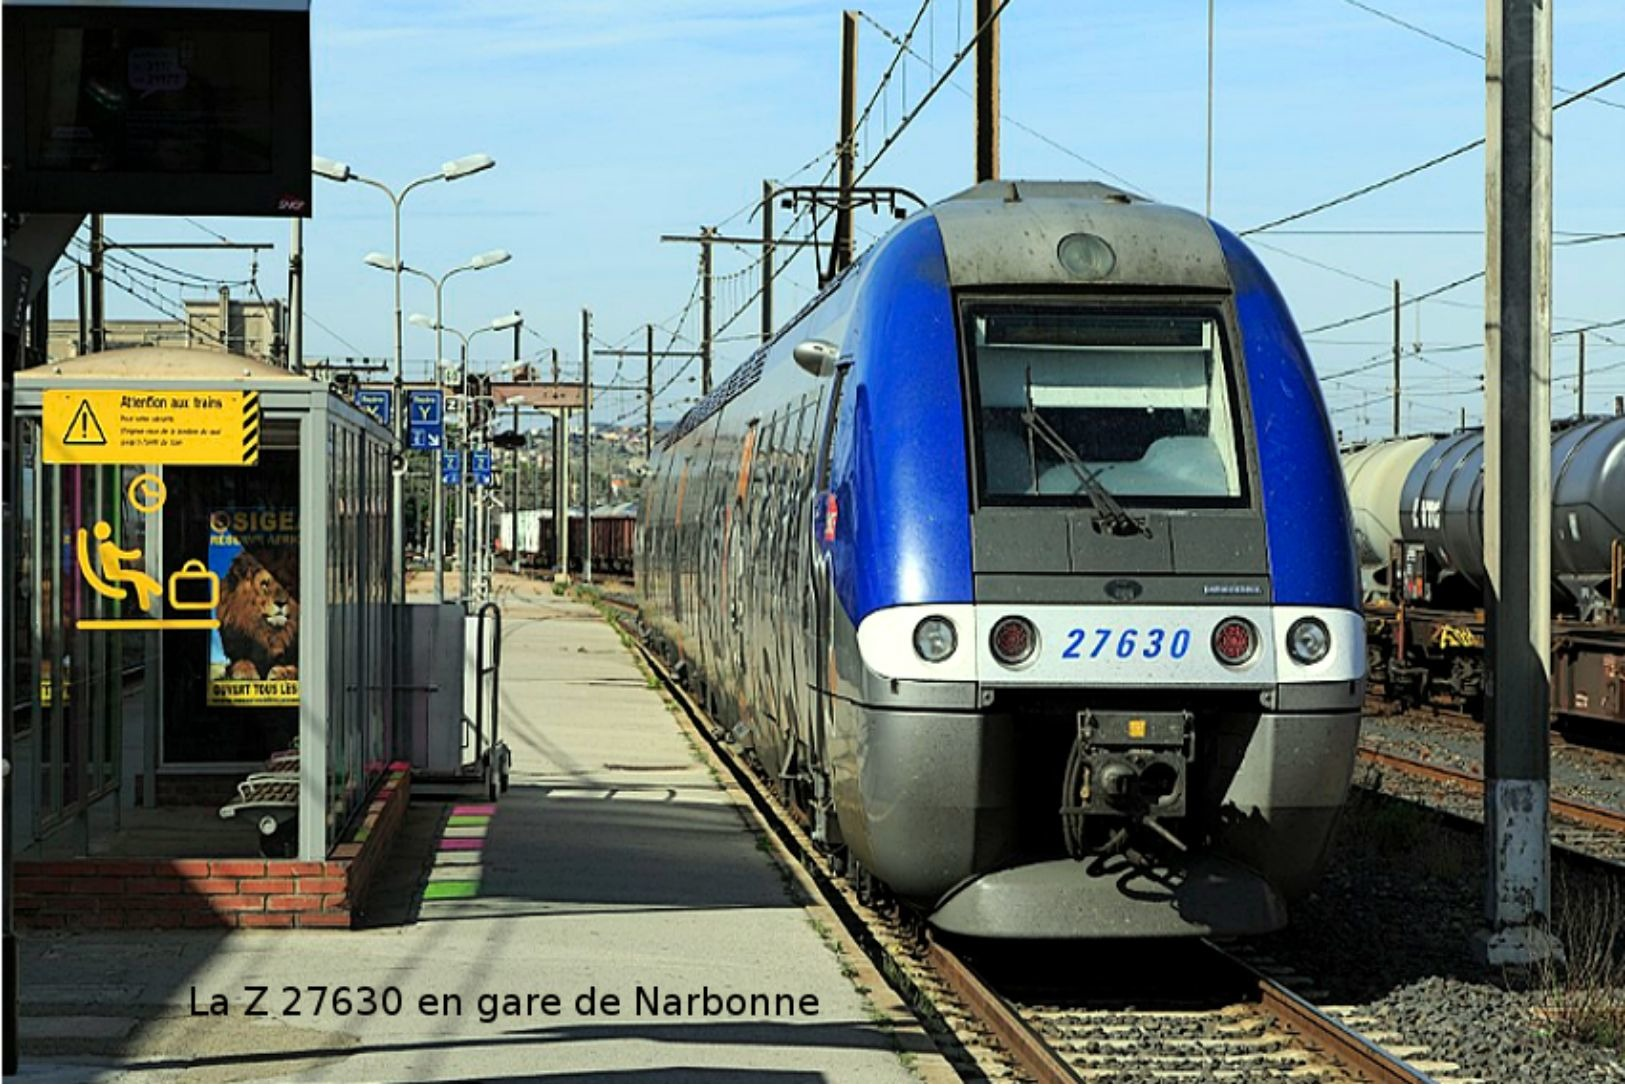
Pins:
x: 149, y: 427
x: 84, y: 429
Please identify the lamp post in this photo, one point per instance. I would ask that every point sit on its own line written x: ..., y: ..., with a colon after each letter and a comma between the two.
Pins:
x: 507, y: 321
x: 489, y: 259
x: 333, y: 170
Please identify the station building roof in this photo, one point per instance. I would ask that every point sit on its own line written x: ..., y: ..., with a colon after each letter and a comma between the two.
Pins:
x: 164, y: 364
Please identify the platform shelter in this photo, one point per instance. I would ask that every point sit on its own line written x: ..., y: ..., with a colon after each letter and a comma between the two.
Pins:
x: 201, y: 605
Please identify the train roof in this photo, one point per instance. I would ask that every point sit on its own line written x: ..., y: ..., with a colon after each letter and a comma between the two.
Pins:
x: 1009, y: 233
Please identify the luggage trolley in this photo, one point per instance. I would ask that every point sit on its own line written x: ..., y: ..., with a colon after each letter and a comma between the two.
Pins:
x: 455, y: 714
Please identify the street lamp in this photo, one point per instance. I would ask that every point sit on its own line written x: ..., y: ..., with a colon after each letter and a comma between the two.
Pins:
x: 506, y: 321
x: 489, y: 259
x: 333, y: 170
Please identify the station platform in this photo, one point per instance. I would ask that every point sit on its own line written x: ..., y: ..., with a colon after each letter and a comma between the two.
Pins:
x: 617, y: 865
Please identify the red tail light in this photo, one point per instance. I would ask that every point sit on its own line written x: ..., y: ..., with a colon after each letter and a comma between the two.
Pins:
x: 832, y: 513
x: 1014, y: 640
x: 1235, y: 641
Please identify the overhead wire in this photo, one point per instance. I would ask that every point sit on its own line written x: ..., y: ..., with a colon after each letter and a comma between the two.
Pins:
x: 1457, y: 46
x: 1054, y: 144
x: 908, y: 118
x: 1436, y: 160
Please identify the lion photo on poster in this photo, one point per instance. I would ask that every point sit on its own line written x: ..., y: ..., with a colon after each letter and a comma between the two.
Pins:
x: 254, y: 653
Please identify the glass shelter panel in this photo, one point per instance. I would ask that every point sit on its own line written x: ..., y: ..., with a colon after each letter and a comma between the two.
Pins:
x: 232, y: 693
x: 359, y: 613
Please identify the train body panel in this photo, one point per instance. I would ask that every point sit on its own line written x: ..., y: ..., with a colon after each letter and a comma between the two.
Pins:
x: 902, y: 532
x: 1303, y: 494
x: 1050, y: 404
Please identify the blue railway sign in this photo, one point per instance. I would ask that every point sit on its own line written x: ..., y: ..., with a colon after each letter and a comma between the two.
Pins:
x: 425, y: 419
x: 377, y: 403
x: 479, y: 467
x: 451, y: 467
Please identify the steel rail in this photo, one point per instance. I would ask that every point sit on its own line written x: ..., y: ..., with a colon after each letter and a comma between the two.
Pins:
x: 1323, y: 1031
x: 1580, y: 812
x: 1024, y: 1042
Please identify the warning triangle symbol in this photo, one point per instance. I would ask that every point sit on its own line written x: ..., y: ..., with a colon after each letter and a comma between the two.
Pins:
x: 84, y: 429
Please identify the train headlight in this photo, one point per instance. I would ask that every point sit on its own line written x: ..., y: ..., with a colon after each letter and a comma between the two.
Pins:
x: 1014, y: 641
x: 1086, y: 256
x: 1235, y: 641
x: 935, y: 640
x: 1308, y: 641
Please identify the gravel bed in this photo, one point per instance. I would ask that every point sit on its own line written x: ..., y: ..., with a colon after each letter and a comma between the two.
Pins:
x: 1402, y: 738
x: 1390, y: 931
x: 1584, y: 774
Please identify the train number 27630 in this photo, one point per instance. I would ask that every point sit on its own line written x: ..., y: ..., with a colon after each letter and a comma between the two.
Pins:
x: 1126, y: 641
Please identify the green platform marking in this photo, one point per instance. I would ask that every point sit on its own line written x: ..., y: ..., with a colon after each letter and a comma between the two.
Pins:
x: 452, y: 889
x: 468, y: 821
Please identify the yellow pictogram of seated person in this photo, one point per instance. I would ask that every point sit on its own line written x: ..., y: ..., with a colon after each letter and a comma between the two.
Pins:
x: 111, y: 558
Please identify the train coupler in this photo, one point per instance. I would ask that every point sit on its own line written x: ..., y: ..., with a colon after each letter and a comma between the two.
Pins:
x: 1132, y: 764
x: 1126, y: 765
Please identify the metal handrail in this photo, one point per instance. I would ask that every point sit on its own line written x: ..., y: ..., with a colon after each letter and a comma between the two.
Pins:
x: 481, y: 669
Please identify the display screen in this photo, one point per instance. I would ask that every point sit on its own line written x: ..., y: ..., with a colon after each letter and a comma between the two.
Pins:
x: 190, y: 110
x: 152, y: 100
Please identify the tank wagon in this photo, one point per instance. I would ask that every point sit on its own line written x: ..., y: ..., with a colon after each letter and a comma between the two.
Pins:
x: 1021, y: 562
x: 1419, y: 523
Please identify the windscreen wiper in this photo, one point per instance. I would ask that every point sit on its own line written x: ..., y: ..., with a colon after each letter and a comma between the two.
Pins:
x: 1110, y: 512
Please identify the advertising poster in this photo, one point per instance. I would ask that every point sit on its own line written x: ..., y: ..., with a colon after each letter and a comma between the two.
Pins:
x: 254, y: 653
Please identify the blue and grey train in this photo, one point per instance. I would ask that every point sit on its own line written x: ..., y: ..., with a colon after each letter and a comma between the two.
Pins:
x: 1021, y: 563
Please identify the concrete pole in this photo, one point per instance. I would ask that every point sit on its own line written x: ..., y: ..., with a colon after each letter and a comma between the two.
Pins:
x: 223, y: 317
x: 84, y: 311
x: 1517, y: 482
x: 706, y: 313
x: 586, y: 443
x: 397, y: 495
x: 841, y: 247
x: 561, y: 491
x: 465, y: 543
x: 513, y: 514
x: 513, y: 458
x: 1580, y: 389
x: 437, y: 529
x: 296, y: 295
x: 987, y: 96
x: 98, y: 286
x: 767, y: 261
x: 1396, y: 359
x: 648, y: 391
x: 1209, y: 204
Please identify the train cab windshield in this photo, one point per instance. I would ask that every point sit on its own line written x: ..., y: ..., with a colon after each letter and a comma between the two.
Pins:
x: 1070, y: 401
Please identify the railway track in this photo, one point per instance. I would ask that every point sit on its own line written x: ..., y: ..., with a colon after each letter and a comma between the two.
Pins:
x: 1586, y: 739
x: 1581, y: 832
x: 1239, y: 1024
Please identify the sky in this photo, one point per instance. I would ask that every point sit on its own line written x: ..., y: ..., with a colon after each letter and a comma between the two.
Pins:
x: 615, y: 121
